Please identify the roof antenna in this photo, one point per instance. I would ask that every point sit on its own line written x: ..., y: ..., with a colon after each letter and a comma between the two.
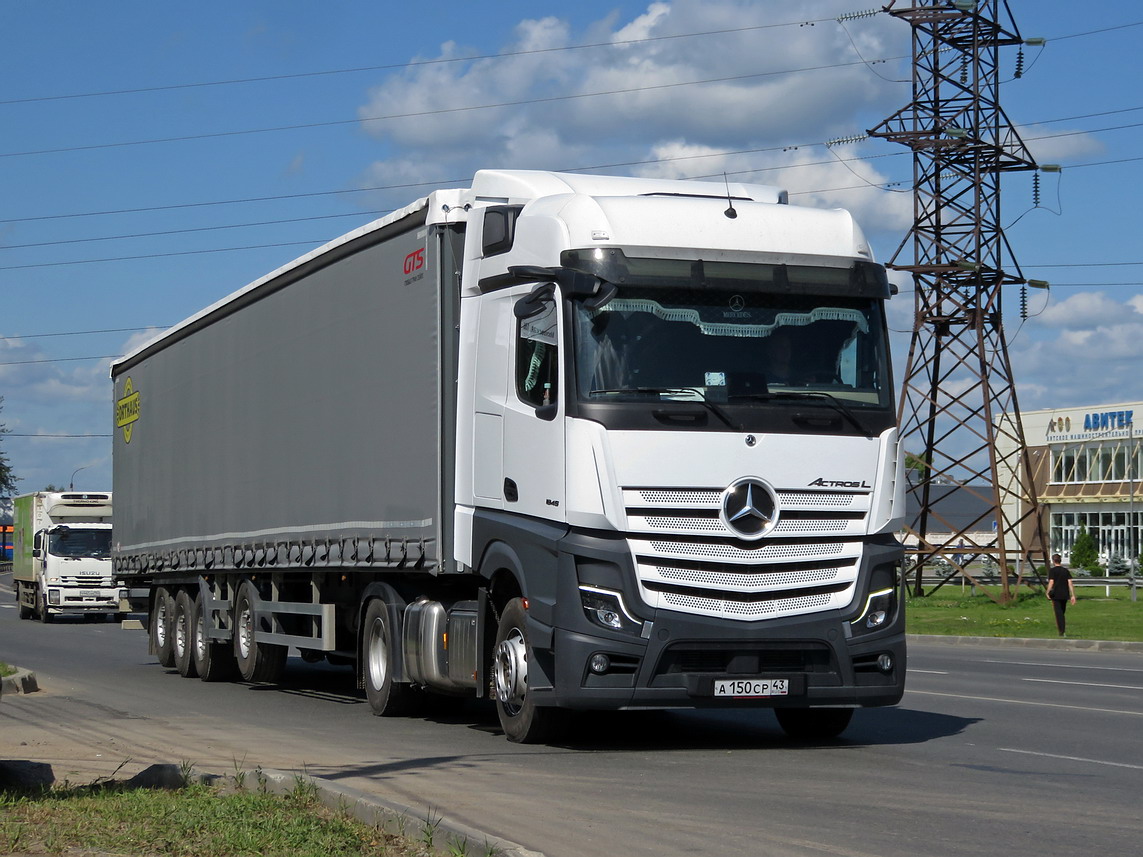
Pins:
x: 730, y: 212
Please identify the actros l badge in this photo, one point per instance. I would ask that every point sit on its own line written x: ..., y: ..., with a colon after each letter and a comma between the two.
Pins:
x: 749, y: 508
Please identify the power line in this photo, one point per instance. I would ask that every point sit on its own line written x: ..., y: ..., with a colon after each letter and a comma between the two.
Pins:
x: 60, y: 360
x: 410, y: 64
x: 552, y: 99
x: 80, y: 332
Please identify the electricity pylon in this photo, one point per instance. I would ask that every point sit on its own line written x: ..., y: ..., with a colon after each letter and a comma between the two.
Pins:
x: 958, y: 413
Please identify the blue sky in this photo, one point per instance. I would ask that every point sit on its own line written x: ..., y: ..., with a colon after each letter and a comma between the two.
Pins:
x: 155, y: 157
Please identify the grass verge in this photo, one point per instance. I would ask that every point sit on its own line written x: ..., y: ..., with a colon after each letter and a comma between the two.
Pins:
x: 110, y: 818
x: 952, y: 610
x: 6, y: 670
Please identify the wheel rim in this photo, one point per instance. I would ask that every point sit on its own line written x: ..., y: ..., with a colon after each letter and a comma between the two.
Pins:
x: 511, y: 671
x: 245, y: 631
x: 377, y: 656
x: 161, y: 619
x: 180, y: 632
x: 200, y: 636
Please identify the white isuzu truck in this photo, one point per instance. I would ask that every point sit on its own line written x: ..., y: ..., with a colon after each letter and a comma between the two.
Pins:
x: 565, y: 441
x: 61, y: 555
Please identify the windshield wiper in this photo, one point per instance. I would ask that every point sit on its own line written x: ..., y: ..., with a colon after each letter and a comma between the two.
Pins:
x: 838, y: 405
x: 698, y: 397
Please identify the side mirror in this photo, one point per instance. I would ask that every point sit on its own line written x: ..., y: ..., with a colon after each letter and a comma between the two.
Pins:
x: 535, y: 302
x: 547, y: 412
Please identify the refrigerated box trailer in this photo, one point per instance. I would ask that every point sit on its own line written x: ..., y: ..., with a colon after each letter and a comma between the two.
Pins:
x: 569, y: 442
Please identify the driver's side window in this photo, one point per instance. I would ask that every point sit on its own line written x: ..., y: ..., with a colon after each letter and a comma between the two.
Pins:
x: 537, y: 357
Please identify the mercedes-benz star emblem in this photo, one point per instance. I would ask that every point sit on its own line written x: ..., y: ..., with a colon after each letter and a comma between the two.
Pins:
x: 749, y: 508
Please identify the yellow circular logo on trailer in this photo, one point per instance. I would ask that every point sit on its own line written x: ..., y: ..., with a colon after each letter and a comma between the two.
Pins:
x: 127, y: 410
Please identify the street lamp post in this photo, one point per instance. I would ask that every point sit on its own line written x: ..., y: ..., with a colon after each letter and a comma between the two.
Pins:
x: 71, y: 482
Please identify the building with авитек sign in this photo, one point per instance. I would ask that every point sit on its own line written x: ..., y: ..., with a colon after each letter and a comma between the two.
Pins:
x: 1086, y: 472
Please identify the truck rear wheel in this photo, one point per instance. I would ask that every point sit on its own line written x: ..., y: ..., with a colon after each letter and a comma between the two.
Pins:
x: 162, y: 614
x: 183, y: 627
x: 256, y: 661
x: 387, y: 698
x: 813, y: 724
x: 25, y: 610
x: 213, y: 661
x: 523, y: 722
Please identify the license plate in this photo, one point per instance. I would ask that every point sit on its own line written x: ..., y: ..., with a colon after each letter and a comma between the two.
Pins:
x: 88, y: 593
x: 745, y: 688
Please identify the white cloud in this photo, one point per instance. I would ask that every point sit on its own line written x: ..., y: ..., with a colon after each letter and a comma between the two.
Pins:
x: 770, y: 86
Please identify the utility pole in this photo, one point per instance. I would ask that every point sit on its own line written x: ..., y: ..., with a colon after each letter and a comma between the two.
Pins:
x: 958, y: 398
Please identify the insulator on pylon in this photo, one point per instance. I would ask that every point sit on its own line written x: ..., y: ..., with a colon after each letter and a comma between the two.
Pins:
x: 1023, y: 303
x: 1036, y: 189
x: 1020, y: 62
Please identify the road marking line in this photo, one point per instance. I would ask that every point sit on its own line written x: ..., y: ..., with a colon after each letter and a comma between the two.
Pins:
x: 1026, y: 702
x: 929, y: 672
x: 1084, y: 683
x: 1064, y: 666
x: 1072, y: 758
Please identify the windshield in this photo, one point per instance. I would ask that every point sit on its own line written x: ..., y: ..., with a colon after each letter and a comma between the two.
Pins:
x: 723, y: 345
x: 72, y: 543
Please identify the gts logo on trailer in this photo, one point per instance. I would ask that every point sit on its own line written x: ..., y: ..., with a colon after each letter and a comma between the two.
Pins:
x: 835, y: 483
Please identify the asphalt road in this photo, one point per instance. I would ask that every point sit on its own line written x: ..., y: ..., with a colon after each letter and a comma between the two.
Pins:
x: 994, y: 750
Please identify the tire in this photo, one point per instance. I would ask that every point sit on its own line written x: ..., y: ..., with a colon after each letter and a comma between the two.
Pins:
x: 523, y: 722
x: 213, y: 661
x: 162, y: 631
x: 256, y: 661
x: 25, y: 611
x: 813, y: 724
x: 379, y: 650
x: 183, y: 633
x: 42, y: 613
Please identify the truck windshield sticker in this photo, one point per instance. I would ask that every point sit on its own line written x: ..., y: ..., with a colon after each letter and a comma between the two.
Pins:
x: 127, y: 410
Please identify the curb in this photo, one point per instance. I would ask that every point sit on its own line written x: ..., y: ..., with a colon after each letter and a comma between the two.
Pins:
x: 24, y: 681
x: 1031, y: 643
x: 452, y: 836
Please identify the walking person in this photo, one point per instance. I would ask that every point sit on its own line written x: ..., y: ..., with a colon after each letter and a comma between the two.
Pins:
x: 1061, y: 591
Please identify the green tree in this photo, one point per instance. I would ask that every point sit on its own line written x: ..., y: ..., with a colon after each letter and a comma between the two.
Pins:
x: 1085, y: 552
x: 7, y: 477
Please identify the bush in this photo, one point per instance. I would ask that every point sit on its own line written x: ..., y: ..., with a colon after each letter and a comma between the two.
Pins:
x: 1085, y: 553
x: 1117, y: 566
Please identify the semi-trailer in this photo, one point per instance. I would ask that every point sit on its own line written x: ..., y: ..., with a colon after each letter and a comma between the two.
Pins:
x: 564, y: 441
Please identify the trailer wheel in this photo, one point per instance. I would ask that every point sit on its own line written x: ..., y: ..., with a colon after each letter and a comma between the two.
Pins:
x: 183, y: 626
x: 386, y: 697
x: 813, y: 724
x: 213, y: 661
x: 162, y: 632
x: 523, y: 722
x: 256, y: 661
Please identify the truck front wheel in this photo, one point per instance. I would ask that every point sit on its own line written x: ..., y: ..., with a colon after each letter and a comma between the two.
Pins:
x: 523, y: 722
x: 162, y: 638
x: 813, y: 724
x: 256, y: 661
x: 387, y: 697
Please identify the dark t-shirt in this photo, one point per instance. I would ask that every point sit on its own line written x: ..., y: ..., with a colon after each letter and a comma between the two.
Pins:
x: 1059, y: 576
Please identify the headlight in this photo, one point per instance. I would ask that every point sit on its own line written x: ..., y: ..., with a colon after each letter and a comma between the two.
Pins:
x: 606, y: 609
x: 879, y: 609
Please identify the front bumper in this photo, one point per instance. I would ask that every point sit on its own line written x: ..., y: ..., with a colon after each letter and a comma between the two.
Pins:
x: 677, y: 666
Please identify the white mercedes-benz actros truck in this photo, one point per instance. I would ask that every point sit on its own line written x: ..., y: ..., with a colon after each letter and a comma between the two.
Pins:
x: 570, y: 442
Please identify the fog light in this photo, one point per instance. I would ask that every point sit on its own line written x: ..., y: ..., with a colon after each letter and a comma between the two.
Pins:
x: 600, y: 664
x: 54, y: 597
x: 876, y: 619
x: 885, y: 663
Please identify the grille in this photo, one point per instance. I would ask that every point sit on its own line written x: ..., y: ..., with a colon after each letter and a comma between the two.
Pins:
x: 807, y: 563
x: 85, y: 580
